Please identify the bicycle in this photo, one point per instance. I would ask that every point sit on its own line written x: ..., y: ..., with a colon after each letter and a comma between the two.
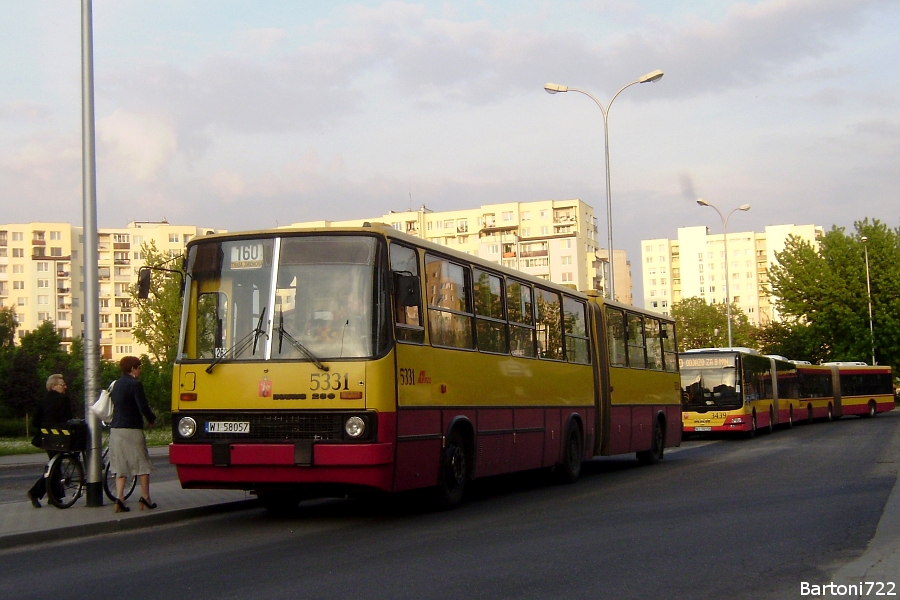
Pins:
x: 65, y: 471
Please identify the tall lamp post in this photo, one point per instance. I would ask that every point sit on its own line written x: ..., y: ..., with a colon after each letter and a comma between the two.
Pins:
x: 865, y: 241
x: 743, y: 207
x: 553, y: 88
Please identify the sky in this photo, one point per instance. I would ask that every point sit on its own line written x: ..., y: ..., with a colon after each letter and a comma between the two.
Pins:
x: 248, y: 115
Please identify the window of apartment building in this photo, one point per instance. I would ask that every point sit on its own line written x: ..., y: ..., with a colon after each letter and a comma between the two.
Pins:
x: 709, y: 255
x: 749, y: 275
x: 64, y: 315
x: 74, y: 254
x: 566, y: 277
x: 526, y: 232
x: 2, y: 268
x: 649, y: 260
x: 662, y: 270
x: 437, y: 224
x: 526, y: 216
x: 43, y: 300
x: 448, y: 224
x: 37, y: 236
x: 43, y: 267
x: 55, y: 251
x: 122, y: 238
x: 507, y: 215
x: 19, y: 252
x: 396, y: 225
x: 665, y: 303
x: 75, y: 302
x: 700, y: 256
x: 43, y: 283
x: 662, y: 259
x: 652, y: 293
x: 735, y: 275
x: 121, y: 289
x: 543, y: 214
x: 123, y: 349
x: 736, y: 287
x: 428, y: 225
x: 545, y: 230
x: 123, y: 272
x: 20, y: 301
x: 463, y: 239
x: 18, y: 285
x: 662, y: 247
x: 653, y: 304
x: 140, y: 255
x: 494, y: 249
x: 651, y: 271
x: 648, y: 248
x: 104, y: 302
x: 18, y: 268
x: 104, y: 318
x: 712, y: 288
x: 173, y: 237
x: 39, y: 251
x: 55, y: 235
x: 565, y: 260
x: 123, y: 320
x: 652, y: 282
x: 702, y: 290
x: 43, y: 316
x: 662, y: 281
x: 737, y: 299
x: 2, y: 252
x: 18, y: 236
x: 700, y: 268
x: 565, y: 243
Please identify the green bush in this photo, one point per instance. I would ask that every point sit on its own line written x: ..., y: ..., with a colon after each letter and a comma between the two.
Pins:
x: 12, y: 428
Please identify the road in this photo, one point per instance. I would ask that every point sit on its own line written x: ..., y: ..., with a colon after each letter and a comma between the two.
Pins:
x: 736, y: 519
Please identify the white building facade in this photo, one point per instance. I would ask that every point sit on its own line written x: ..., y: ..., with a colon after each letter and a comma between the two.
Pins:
x: 695, y: 264
x: 42, y: 276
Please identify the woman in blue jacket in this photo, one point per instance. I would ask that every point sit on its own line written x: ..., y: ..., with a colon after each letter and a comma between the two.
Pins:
x: 128, y: 454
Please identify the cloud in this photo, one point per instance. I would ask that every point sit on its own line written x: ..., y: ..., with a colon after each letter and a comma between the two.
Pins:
x: 260, y: 40
x: 141, y: 143
x: 23, y: 111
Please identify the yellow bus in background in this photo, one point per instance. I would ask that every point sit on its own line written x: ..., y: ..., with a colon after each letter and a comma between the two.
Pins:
x: 327, y: 361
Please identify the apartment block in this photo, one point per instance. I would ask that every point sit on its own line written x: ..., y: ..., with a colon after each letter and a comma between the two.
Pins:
x: 695, y: 264
x: 42, y: 276
x: 554, y: 240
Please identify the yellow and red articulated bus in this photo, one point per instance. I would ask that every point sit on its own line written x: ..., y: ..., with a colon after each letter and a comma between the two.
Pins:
x: 328, y: 361
x: 864, y: 390
x: 739, y: 390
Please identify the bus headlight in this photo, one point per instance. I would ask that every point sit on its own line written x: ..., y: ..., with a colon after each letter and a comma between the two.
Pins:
x: 355, y: 427
x: 187, y: 427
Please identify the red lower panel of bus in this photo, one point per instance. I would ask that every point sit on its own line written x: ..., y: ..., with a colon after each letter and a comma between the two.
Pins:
x: 367, y: 465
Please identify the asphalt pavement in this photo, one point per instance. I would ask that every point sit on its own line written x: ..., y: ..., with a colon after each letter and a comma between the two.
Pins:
x: 22, y: 525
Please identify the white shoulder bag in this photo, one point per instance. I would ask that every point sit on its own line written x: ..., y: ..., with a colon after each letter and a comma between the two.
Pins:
x: 103, y: 407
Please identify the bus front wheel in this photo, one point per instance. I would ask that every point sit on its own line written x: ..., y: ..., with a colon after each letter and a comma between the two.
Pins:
x: 873, y: 410
x: 453, y: 472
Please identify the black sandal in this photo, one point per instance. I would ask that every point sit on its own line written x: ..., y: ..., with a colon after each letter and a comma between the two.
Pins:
x: 144, y: 502
x: 120, y: 506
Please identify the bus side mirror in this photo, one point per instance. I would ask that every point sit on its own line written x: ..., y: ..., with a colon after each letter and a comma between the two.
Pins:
x: 406, y: 289
x: 144, y: 283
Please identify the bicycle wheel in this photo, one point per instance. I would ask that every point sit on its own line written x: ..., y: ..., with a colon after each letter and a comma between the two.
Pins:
x: 65, y: 482
x: 109, y: 481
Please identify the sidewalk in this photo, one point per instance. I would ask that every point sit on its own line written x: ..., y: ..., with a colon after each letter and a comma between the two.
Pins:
x: 22, y: 524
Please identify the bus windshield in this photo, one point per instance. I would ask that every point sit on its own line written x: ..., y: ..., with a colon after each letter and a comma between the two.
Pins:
x: 291, y: 298
x: 709, y: 389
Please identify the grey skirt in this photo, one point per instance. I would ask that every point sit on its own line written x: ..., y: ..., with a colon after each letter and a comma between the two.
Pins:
x: 128, y: 454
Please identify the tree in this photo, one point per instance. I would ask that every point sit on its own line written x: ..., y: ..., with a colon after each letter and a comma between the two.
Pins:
x: 825, y: 289
x: 7, y: 326
x: 794, y: 340
x: 158, y: 319
x: 702, y: 325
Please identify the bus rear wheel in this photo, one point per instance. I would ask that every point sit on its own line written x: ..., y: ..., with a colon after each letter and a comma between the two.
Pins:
x: 873, y: 409
x: 791, y: 417
x: 771, y: 427
x: 454, y: 472
x: 809, y: 415
x: 657, y: 447
x: 573, y: 451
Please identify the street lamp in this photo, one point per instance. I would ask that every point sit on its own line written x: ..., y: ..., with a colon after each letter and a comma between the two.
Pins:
x: 743, y: 207
x: 553, y: 88
x: 865, y: 242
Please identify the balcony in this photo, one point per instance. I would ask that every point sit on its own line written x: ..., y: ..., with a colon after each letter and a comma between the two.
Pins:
x: 532, y: 253
x: 121, y: 246
x: 122, y: 261
x: 38, y: 242
x: 105, y: 325
x: 63, y: 274
x: 64, y: 306
x: 63, y: 290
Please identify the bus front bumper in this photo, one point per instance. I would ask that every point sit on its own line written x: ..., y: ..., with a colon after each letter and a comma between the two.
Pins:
x: 244, y: 466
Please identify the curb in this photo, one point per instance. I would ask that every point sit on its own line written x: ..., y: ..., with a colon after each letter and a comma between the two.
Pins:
x: 118, y: 525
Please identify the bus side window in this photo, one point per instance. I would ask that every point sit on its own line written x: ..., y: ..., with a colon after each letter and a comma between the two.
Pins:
x: 490, y: 316
x: 407, y: 295
x: 636, y: 357
x: 670, y: 351
x: 448, y: 288
x: 575, y: 325
x: 521, y: 318
x: 615, y: 337
x: 654, y: 344
x: 549, y: 330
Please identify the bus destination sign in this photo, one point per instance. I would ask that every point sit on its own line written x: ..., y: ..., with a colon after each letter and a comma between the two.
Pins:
x: 707, y: 362
x: 247, y: 256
